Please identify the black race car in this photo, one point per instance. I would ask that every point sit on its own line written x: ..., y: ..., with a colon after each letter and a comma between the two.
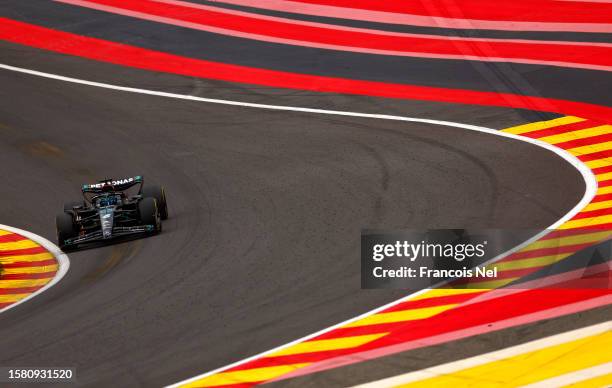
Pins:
x: 112, y: 208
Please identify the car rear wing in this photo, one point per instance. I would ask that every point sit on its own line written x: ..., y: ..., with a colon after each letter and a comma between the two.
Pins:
x: 113, y: 185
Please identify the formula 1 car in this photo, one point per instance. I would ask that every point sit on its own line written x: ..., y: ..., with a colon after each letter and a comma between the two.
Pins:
x: 110, y: 209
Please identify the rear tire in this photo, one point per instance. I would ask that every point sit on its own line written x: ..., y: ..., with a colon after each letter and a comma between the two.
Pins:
x: 149, y: 213
x: 159, y: 193
x: 65, y: 229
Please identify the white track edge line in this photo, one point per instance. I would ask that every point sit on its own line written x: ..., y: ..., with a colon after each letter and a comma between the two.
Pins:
x: 61, y: 257
x: 573, y: 377
x: 490, y: 357
x: 587, y: 174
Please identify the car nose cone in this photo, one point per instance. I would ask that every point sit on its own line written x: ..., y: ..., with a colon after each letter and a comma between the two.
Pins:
x: 106, y: 222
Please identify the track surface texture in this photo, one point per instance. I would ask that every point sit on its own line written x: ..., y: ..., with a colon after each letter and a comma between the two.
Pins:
x: 266, y: 207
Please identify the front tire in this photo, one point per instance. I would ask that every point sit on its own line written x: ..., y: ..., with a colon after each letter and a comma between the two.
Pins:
x: 149, y: 213
x: 159, y: 193
x: 65, y: 229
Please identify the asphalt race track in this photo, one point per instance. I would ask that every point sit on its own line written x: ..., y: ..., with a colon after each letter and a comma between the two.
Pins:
x: 252, y: 197
x: 262, y: 243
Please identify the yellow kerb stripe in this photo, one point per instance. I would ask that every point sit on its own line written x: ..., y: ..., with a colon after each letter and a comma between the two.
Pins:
x: 604, y: 177
x: 400, y: 316
x: 245, y: 376
x: 604, y: 190
x: 23, y: 283
x: 46, y: 268
x: 529, y: 263
x: 439, y: 292
x: 604, y: 162
x: 597, y: 163
x: 328, y: 344
x: 580, y: 134
x: 491, y: 284
x: 606, y: 219
x: 597, y: 206
x: 10, y: 298
x: 23, y: 244
x: 4, y: 232
x: 28, y: 258
x: 529, y: 367
x: 543, y: 125
x: 568, y: 240
x: 589, y: 149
